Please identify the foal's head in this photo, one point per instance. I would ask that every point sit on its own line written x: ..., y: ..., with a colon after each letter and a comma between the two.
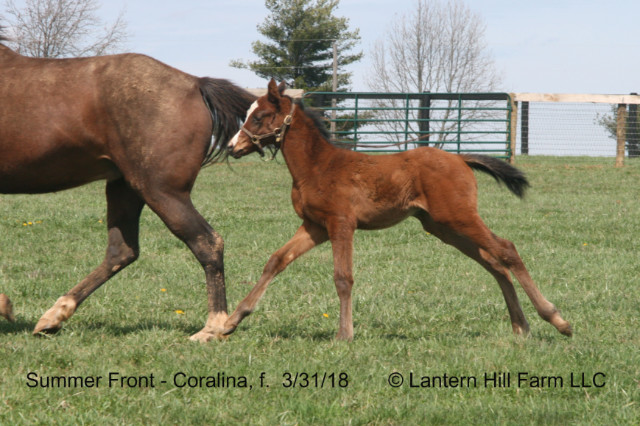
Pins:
x: 267, y: 121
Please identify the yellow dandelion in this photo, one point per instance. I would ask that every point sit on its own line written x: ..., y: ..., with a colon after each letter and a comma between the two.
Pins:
x: 179, y: 311
x: 325, y: 315
x: 584, y: 244
x: 163, y: 290
x: 29, y: 223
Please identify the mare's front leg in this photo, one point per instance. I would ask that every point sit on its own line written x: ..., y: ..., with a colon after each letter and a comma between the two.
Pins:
x: 341, y: 235
x: 123, y: 214
x: 177, y: 212
x: 306, y: 237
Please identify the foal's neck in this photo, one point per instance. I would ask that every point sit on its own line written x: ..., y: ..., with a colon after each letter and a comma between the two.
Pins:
x: 304, y: 147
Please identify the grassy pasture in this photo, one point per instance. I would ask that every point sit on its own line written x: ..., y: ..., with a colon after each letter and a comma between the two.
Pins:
x: 421, y: 309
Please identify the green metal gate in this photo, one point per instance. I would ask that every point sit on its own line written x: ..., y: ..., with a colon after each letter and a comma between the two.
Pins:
x: 388, y: 122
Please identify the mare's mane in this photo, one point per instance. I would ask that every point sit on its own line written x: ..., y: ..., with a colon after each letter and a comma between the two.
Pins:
x: 2, y: 36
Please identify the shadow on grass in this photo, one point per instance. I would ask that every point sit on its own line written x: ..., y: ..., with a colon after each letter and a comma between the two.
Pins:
x: 19, y: 326
x: 115, y: 330
x: 120, y: 330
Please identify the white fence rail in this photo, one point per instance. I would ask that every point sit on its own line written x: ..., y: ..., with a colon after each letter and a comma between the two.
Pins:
x: 576, y: 124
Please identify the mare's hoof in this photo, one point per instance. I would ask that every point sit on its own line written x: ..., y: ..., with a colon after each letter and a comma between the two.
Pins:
x: 213, y: 329
x: 42, y: 327
x: 52, y: 320
x: 520, y: 330
x: 205, y: 336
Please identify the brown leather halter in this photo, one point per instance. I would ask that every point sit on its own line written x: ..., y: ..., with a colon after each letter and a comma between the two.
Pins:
x: 277, y: 133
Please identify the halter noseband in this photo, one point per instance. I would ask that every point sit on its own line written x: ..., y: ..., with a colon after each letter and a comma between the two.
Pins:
x: 277, y: 133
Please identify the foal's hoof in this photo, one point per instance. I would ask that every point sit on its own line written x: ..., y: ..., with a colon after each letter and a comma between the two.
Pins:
x: 52, y: 320
x: 566, y: 329
x: 6, y: 308
x: 563, y: 326
x: 229, y: 330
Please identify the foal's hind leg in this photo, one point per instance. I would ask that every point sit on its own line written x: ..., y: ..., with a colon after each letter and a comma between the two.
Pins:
x: 123, y: 214
x: 306, y: 237
x: 499, y: 272
x: 498, y: 256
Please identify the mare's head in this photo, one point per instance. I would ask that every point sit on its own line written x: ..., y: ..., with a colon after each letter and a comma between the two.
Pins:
x: 267, y: 121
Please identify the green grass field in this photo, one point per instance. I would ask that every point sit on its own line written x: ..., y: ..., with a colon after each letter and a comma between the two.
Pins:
x: 421, y: 309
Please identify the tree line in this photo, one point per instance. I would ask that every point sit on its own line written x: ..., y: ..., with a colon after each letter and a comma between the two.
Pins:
x: 436, y: 46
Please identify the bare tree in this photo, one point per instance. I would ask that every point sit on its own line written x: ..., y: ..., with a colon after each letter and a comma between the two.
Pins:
x: 439, y: 47
x: 63, y: 28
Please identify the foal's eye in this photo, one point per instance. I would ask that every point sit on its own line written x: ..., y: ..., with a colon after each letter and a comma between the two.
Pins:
x: 257, y: 119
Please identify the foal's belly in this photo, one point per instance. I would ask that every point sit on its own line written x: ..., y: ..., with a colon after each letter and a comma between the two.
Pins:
x: 383, y: 219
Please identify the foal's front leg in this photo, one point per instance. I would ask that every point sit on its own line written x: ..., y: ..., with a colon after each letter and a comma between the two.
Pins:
x: 342, y: 244
x: 306, y: 237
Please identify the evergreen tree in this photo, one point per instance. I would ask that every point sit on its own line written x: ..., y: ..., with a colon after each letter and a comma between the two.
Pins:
x: 301, y: 34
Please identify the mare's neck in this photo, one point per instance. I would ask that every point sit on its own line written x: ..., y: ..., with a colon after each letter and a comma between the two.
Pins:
x: 304, y: 148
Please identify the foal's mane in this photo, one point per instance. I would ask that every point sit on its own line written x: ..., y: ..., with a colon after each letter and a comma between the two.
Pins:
x: 316, y: 117
x: 320, y: 123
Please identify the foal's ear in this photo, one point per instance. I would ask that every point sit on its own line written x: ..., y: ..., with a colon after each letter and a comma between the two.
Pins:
x: 282, y: 87
x: 273, y: 93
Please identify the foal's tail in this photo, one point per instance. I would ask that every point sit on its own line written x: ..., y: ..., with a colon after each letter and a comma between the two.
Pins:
x: 228, y: 105
x: 501, y: 171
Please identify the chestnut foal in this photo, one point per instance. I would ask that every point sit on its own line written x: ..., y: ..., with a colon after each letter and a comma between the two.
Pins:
x: 337, y: 191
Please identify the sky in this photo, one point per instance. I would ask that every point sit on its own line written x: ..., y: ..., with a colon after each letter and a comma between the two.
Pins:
x: 544, y: 46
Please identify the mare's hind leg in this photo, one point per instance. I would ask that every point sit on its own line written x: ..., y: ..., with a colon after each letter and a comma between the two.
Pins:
x: 306, y: 237
x: 123, y: 214
x: 498, y: 256
x: 178, y: 213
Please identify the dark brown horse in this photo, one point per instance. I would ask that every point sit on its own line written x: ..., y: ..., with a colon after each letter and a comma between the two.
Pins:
x: 336, y: 191
x: 142, y: 126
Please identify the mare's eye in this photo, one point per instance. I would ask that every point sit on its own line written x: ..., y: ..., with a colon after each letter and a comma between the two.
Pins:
x: 257, y: 119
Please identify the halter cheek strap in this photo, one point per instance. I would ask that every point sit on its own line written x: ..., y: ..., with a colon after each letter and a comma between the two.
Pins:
x: 277, y: 133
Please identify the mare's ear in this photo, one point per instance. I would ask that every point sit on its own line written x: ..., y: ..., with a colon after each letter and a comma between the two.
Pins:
x: 273, y: 94
x: 282, y: 87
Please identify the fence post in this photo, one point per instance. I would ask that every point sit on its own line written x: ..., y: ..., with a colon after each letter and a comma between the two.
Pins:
x: 424, y: 114
x: 513, y: 124
x: 633, y: 131
x: 524, y: 129
x: 620, y: 124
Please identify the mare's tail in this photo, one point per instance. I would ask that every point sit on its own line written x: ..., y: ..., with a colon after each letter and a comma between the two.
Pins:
x: 501, y: 171
x: 228, y: 105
